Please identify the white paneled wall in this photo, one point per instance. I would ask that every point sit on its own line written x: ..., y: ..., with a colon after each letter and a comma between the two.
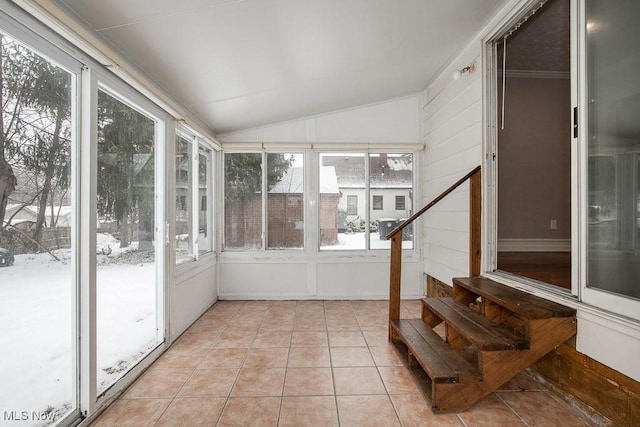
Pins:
x: 453, y: 146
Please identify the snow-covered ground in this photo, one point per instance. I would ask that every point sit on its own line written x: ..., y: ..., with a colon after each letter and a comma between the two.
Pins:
x: 36, y: 328
x: 356, y: 241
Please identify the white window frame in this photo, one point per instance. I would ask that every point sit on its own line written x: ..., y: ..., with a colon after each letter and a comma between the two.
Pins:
x: 196, y: 144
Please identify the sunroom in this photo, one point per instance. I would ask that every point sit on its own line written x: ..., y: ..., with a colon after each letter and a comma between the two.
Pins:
x: 221, y: 181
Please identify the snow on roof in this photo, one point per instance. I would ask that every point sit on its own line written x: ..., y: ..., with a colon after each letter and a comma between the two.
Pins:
x: 292, y: 182
x: 385, y: 171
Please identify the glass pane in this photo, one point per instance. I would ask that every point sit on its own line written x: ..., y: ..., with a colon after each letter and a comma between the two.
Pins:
x: 613, y: 57
x: 126, y: 279
x: 243, y: 201
x: 390, y: 179
x: 36, y: 264
x: 205, y: 235
x: 184, y: 207
x: 342, y: 197
x: 285, y: 216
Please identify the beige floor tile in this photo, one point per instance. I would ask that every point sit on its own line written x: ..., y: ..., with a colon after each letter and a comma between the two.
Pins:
x: 182, y: 357
x: 192, y: 412
x: 250, y: 412
x: 342, y: 323
x: 346, y: 339
x: 351, y: 356
x: 366, y: 411
x: 308, y: 382
x: 209, y: 325
x: 159, y: 383
x: 133, y: 413
x: 259, y: 382
x: 490, y: 411
x: 267, y: 339
x: 398, y: 380
x: 376, y: 338
x: 309, y: 357
x: 244, y: 324
x: 310, y: 323
x: 308, y: 411
x: 224, y: 358
x: 235, y: 339
x: 386, y: 356
x: 267, y: 358
x: 209, y: 383
x: 309, y: 339
x: 540, y: 409
x: 414, y: 411
x: 353, y: 381
x: 198, y: 339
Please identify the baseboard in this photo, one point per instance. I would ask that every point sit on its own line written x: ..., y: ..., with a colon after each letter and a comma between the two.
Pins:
x: 534, y: 245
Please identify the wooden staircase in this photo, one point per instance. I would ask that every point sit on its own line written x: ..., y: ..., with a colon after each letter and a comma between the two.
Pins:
x: 491, y: 333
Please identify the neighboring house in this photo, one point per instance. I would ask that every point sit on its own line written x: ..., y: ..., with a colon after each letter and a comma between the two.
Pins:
x: 390, y: 177
x: 18, y: 213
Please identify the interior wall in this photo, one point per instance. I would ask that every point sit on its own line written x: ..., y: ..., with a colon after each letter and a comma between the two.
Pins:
x: 534, y: 161
x: 453, y: 135
x: 190, y: 295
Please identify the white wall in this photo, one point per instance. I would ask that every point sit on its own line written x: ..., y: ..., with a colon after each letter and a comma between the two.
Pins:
x: 453, y: 146
x: 394, y: 121
x: 191, y: 293
x: 327, y: 274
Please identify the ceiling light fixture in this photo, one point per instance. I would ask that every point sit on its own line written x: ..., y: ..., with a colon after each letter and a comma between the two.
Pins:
x: 470, y: 69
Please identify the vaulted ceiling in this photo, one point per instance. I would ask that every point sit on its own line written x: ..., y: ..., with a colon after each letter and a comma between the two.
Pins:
x: 238, y: 64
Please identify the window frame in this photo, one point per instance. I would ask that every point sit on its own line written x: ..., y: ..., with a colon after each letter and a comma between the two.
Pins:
x: 264, y: 238
x: 404, y: 202
x: 197, y: 143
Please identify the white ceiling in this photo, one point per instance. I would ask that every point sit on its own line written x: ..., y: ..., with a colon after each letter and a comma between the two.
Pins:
x: 238, y: 64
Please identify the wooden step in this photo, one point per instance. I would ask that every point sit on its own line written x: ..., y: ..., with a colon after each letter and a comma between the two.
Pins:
x: 519, y: 302
x: 441, y: 363
x: 480, y: 331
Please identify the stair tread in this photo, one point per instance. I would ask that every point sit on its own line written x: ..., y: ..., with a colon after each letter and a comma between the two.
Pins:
x: 441, y: 363
x: 519, y: 302
x: 480, y: 331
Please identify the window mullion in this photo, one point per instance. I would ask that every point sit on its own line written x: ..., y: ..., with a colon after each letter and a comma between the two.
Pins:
x: 195, y: 183
x: 265, y: 200
x: 367, y: 204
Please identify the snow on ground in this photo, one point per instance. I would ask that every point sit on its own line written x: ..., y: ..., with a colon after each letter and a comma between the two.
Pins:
x: 36, y: 327
x: 356, y: 241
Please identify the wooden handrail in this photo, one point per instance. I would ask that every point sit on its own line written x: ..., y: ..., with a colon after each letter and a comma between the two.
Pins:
x: 475, y: 208
x: 442, y: 195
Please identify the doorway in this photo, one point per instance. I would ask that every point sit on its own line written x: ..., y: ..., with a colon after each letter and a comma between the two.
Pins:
x: 534, y: 146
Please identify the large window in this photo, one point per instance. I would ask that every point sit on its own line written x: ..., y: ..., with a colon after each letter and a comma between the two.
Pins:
x: 613, y: 148
x: 126, y: 282
x: 37, y: 292
x: 347, y: 179
x: 264, y: 207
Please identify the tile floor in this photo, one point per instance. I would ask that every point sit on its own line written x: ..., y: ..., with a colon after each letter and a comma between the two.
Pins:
x: 307, y: 363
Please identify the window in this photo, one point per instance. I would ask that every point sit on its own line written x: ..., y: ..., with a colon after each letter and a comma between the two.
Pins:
x: 285, y: 208
x: 377, y: 203
x: 400, y: 203
x: 280, y: 190
x: 126, y: 283
x: 347, y: 179
x: 352, y: 205
x: 184, y: 214
x: 613, y: 174
x: 37, y: 286
x: 205, y: 213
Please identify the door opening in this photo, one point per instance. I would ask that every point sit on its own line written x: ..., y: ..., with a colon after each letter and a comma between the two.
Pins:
x: 534, y: 147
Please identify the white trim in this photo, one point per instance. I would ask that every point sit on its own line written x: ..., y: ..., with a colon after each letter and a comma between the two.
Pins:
x: 534, y: 245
